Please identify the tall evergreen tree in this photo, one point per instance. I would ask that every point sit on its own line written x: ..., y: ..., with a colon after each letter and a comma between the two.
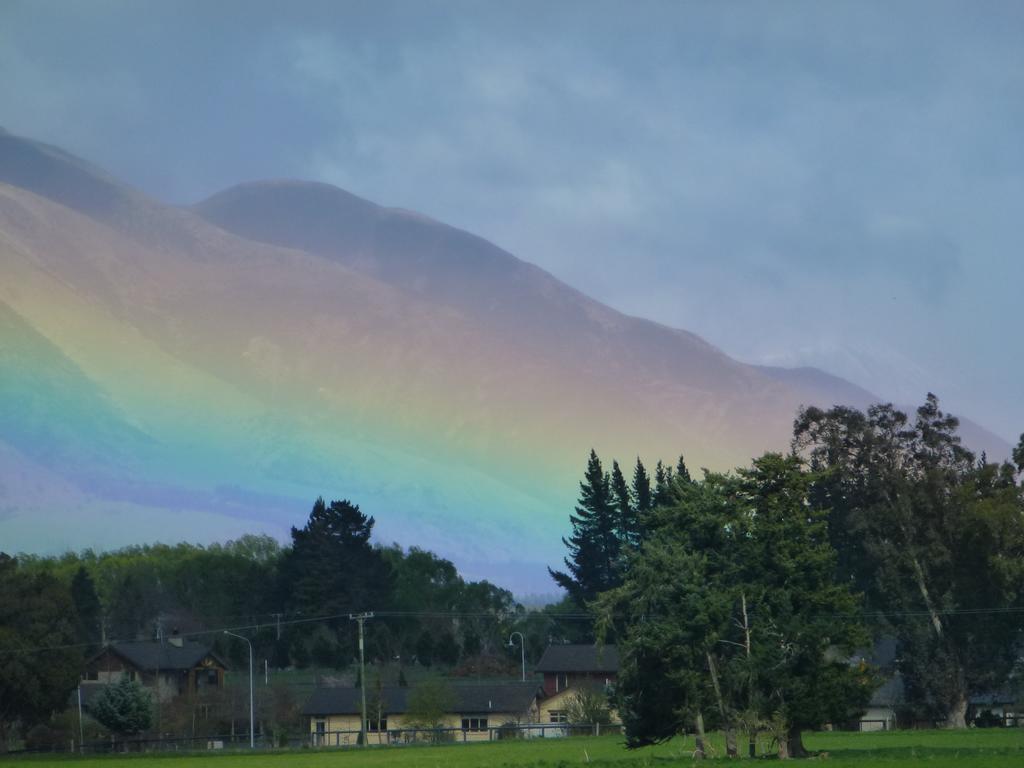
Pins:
x: 642, y: 488
x: 662, y: 484
x: 682, y: 473
x: 628, y: 525
x: 88, y: 611
x: 593, y: 561
x: 332, y: 568
x: 643, y: 501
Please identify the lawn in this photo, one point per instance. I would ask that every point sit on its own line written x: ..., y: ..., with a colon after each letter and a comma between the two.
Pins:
x: 935, y: 749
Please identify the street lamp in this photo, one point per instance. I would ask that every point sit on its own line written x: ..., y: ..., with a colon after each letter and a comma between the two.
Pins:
x: 252, y: 721
x: 522, y: 648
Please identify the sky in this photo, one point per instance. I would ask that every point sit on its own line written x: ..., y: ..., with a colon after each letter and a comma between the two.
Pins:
x: 801, y: 183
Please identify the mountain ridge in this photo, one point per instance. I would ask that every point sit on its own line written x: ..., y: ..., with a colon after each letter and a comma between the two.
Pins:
x: 281, y: 340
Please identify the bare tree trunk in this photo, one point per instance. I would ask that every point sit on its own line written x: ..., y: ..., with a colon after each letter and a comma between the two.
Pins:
x: 730, y: 731
x: 957, y: 716
x: 794, y: 744
x: 752, y: 737
x: 926, y: 596
x: 699, y: 751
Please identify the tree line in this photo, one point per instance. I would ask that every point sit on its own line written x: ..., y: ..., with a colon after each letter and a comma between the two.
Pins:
x: 292, y: 601
x: 750, y: 601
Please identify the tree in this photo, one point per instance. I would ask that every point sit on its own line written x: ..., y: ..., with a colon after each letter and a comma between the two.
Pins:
x: 446, y: 650
x: 35, y: 612
x: 747, y: 624
x: 429, y: 701
x: 332, y: 568
x: 933, y: 538
x: 588, y: 705
x: 376, y: 704
x: 628, y: 523
x: 682, y: 473
x: 125, y: 707
x: 88, y: 610
x: 593, y: 561
x: 662, y: 484
x: 425, y: 649
x: 641, y: 490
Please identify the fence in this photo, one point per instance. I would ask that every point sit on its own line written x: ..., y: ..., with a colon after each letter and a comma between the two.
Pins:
x: 404, y: 736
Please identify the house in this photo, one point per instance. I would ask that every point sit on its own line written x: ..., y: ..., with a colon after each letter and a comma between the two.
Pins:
x: 479, y: 710
x: 881, y: 712
x: 170, y: 668
x: 998, y: 707
x: 567, y: 669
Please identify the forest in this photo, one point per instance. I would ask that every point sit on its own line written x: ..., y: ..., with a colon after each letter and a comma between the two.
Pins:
x: 753, y: 601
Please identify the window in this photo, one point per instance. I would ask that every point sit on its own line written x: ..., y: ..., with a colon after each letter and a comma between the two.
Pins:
x: 321, y: 727
x: 474, y: 723
x: 211, y: 677
x: 561, y: 681
x: 558, y: 716
x: 92, y: 674
x: 372, y: 724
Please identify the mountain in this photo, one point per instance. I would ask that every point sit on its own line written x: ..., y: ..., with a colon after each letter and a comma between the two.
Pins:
x: 196, y: 373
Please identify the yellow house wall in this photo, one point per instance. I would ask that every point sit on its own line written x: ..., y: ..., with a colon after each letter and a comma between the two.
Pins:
x: 334, y: 723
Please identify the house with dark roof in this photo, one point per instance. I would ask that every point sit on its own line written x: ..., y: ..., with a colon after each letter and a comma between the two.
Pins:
x: 477, y: 710
x: 168, y: 668
x: 569, y: 668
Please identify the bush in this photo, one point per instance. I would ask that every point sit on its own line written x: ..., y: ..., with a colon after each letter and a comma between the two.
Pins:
x: 125, y: 707
x: 588, y: 705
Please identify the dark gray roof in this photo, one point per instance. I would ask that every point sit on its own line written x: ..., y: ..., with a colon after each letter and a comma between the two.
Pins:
x: 891, y: 693
x: 150, y: 655
x: 579, y: 658
x: 470, y: 698
x: 993, y: 698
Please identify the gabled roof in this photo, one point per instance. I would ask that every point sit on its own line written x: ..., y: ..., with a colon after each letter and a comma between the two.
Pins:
x: 579, y: 658
x: 150, y: 655
x: 470, y: 699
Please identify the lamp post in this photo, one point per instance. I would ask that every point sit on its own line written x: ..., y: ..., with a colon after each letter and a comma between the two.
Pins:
x: 522, y: 648
x: 252, y: 721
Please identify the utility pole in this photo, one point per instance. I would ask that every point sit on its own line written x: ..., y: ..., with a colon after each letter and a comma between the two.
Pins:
x: 361, y: 619
x: 278, y: 617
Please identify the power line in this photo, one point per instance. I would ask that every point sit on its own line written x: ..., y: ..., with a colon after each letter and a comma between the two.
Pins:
x: 568, y: 616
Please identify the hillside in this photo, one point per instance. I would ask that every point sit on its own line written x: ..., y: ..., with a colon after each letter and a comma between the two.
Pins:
x: 195, y: 373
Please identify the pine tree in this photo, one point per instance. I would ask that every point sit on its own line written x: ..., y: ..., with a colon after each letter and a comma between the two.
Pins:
x: 642, y: 499
x: 332, y: 569
x: 662, y: 485
x: 682, y: 473
x: 628, y: 527
x: 593, y: 546
x: 642, y: 488
x: 87, y: 606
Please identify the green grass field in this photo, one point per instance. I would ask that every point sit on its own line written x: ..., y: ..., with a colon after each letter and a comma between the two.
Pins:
x: 997, y: 748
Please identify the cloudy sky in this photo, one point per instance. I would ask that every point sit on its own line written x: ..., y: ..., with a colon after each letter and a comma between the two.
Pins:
x: 802, y: 183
